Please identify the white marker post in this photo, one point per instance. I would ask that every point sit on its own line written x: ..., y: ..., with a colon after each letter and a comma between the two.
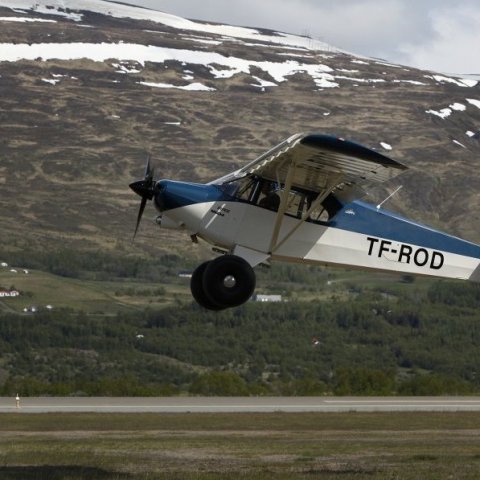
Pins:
x: 17, y: 401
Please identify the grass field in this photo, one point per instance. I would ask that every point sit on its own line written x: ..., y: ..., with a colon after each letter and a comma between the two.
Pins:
x: 42, y: 288
x: 251, y: 446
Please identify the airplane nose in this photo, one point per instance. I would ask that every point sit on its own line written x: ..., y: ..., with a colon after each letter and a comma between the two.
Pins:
x: 143, y: 188
x: 160, y: 202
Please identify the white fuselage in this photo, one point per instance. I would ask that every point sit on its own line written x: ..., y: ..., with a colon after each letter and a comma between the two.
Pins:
x: 233, y: 224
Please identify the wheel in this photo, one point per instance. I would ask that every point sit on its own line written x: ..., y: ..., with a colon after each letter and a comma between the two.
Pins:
x: 196, y: 287
x: 228, y: 281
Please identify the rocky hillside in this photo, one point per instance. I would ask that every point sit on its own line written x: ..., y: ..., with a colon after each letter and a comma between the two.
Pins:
x: 88, y: 87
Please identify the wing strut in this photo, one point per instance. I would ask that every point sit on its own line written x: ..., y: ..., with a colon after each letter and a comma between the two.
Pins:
x: 283, y: 204
x: 331, y: 185
x: 320, y: 198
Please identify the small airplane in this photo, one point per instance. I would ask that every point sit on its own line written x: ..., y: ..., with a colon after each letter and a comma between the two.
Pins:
x: 299, y: 202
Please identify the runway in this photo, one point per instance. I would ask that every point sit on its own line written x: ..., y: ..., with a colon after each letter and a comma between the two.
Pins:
x: 238, y: 404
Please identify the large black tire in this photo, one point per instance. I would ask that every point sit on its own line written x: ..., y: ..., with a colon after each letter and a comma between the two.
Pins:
x: 228, y: 281
x: 196, y: 287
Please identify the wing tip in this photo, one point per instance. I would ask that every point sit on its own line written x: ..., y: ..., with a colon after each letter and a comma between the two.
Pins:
x: 348, y: 147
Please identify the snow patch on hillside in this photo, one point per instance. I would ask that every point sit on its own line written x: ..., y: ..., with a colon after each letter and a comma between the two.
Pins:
x: 199, y: 87
x: 100, y: 52
x: 461, y: 82
x: 474, y: 102
x: 26, y: 20
x: 443, y: 113
x: 45, y: 7
x: 459, y: 107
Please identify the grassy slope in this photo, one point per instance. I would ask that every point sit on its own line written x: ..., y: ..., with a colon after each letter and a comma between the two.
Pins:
x: 41, y: 288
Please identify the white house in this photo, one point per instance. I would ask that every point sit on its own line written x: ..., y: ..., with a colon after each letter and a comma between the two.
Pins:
x: 185, y: 274
x: 267, y: 298
x: 9, y: 293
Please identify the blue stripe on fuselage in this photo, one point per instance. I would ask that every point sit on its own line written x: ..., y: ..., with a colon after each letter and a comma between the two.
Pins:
x: 362, y: 217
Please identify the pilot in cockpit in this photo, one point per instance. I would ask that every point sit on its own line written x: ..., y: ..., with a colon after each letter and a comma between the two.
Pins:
x: 270, y: 199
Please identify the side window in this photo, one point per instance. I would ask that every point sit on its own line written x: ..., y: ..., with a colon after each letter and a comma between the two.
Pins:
x: 296, y: 204
x: 320, y: 214
x: 267, y: 194
x: 326, y: 210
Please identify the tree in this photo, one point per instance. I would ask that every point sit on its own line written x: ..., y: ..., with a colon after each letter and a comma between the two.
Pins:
x: 219, y: 383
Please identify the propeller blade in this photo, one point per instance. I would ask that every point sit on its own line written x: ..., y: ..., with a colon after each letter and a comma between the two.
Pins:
x: 148, y: 170
x: 145, y: 189
x: 139, y: 216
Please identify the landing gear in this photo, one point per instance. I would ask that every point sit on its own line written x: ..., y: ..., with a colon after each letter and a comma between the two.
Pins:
x: 225, y: 282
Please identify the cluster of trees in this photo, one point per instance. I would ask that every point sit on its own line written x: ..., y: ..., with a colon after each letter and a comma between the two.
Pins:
x: 346, y: 381
x: 409, y: 342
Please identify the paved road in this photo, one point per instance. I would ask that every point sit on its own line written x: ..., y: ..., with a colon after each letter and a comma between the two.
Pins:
x: 240, y: 404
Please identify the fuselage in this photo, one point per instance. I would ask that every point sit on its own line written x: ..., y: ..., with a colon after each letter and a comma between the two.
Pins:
x: 358, y: 234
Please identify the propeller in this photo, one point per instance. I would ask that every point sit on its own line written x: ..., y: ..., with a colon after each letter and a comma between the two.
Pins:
x: 145, y: 189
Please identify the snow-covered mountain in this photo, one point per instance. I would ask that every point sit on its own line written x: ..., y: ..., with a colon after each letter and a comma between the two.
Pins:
x: 213, y: 35
x: 72, y: 9
x: 88, y: 86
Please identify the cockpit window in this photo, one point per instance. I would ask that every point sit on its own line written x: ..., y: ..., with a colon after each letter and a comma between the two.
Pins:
x: 299, y: 204
x: 242, y: 189
x: 326, y: 210
x: 267, y: 194
x: 296, y: 204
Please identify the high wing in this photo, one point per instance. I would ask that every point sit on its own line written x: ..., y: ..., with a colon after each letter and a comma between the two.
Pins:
x: 318, y: 163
